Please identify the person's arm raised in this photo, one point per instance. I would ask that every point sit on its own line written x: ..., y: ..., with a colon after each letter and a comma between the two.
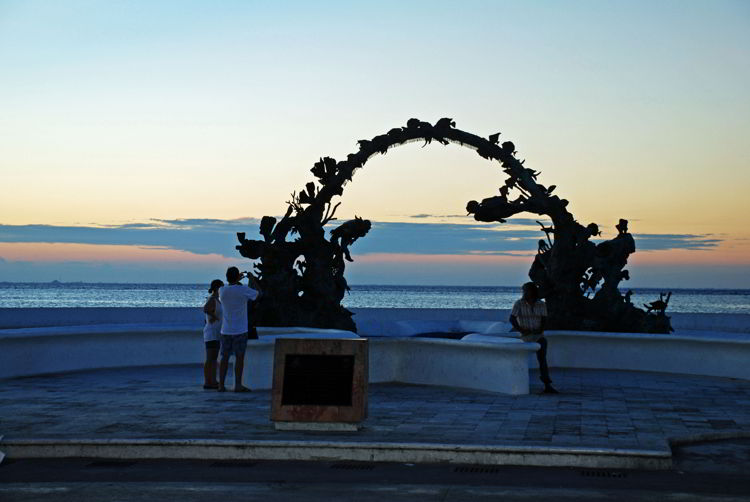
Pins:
x: 253, y: 283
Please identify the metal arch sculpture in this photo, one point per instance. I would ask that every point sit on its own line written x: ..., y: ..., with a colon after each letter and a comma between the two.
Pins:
x: 302, y: 272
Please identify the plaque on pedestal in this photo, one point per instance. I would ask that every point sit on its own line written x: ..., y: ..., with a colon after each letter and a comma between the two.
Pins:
x: 319, y: 383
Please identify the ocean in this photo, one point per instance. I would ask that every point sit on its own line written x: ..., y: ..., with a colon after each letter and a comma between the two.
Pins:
x: 56, y: 294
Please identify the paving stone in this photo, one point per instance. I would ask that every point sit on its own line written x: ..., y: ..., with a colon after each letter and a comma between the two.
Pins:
x: 616, y: 409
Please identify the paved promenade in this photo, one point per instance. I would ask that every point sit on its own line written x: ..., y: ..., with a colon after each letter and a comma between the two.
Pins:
x: 598, y: 409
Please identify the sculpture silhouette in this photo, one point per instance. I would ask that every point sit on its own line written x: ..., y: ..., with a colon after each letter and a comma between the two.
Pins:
x: 303, y: 279
x: 660, y: 305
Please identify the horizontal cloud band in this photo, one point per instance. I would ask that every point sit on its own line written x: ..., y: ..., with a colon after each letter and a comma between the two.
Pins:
x: 213, y: 236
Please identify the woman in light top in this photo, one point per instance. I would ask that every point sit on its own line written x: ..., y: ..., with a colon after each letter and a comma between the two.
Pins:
x: 212, y: 334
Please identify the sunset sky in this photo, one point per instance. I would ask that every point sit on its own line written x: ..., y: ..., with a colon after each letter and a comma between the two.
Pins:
x: 136, y: 138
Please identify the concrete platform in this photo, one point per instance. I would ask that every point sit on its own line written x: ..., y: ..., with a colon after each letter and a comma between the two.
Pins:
x: 601, y: 419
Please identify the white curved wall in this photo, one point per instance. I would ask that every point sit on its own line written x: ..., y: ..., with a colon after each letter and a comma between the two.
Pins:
x: 492, y: 367
x: 172, y: 336
x: 49, y: 353
x: 425, y: 361
x: 697, y: 355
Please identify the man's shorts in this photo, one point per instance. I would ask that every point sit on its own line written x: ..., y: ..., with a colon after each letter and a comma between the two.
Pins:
x: 233, y: 344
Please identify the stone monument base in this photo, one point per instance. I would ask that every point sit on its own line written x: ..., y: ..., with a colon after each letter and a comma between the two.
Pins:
x: 320, y: 381
x: 317, y: 426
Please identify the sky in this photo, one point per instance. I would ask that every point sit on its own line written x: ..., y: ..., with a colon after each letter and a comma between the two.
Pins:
x: 136, y: 138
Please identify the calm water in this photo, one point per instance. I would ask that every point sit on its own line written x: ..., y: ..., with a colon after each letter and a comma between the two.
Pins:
x: 16, y: 295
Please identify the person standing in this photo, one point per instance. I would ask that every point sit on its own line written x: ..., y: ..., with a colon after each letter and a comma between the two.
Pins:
x: 234, y: 298
x: 529, y: 316
x: 212, y: 334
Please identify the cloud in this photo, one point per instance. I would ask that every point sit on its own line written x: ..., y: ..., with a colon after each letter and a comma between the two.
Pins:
x: 658, y: 242
x: 529, y: 222
x: 444, y: 238
x: 170, y: 272
x: 469, y: 219
x: 196, y: 236
x: 460, y: 253
x: 426, y: 215
x: 216, y: 236
x: 208, y: 223
x: 132, y: 225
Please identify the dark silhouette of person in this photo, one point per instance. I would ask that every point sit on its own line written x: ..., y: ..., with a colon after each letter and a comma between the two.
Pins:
x: 212, y: 334
x: 234, y: 299
x: 529, y: 316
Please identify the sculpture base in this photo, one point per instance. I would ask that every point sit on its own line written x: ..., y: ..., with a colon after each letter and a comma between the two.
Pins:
x: 320, y: 380
x: 317, y: 426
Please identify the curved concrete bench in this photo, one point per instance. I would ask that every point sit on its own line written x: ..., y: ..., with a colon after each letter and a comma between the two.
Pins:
x: 689, y: 351
x: 495, y: 367
x: 483, y: 366
x: 413, y: 327
x: 34, y: 351
x: 489, y: 360
x: 697, y: 353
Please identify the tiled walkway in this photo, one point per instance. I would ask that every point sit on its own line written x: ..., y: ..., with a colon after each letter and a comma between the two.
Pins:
x: 610, y: 409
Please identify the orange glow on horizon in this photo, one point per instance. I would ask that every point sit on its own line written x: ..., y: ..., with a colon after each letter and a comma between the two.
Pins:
x: 733, y: 254
x: 477, y: 259
x: 98, y: 253
x: 723, y: 255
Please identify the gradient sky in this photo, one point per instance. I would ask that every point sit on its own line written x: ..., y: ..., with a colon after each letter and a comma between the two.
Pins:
x: 165, y: 116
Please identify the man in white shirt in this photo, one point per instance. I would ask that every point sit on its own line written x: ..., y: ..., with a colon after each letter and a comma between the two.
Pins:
x: 529, y: 315
x: 234, y: 327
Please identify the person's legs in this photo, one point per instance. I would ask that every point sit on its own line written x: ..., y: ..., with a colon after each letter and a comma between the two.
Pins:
x: 226, y: 349
x: 209, y: 367
x: 541, y: 356
x: 239, y: 363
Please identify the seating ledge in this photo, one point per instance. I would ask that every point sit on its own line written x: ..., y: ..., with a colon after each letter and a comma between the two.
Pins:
x: 709, y: 336
x: 88, y: 329
x: 191, y: 328
x: 683, y: 335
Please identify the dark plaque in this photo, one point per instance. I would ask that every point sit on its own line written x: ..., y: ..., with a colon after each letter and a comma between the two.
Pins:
x: 323, y: 380
x: 319, y: 380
